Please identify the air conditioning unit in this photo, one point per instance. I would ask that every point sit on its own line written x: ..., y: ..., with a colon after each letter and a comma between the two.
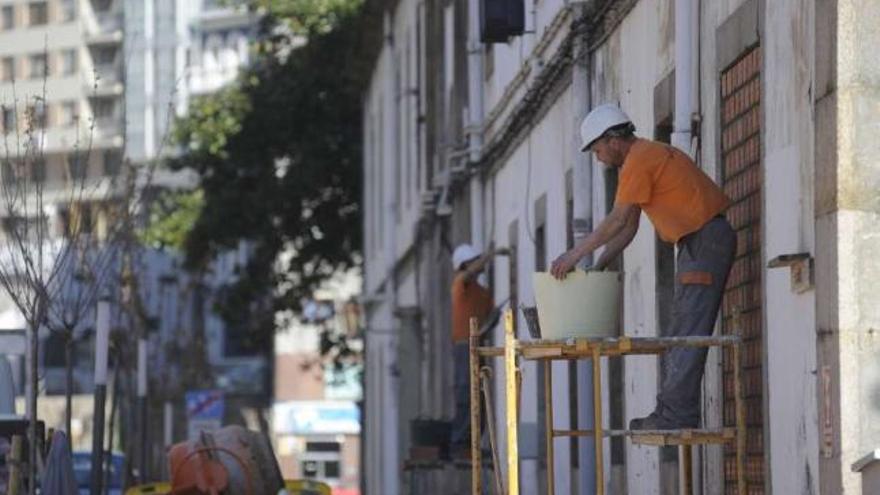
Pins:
x: 501, y: 19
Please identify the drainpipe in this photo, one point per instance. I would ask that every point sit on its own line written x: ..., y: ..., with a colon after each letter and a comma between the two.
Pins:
x: 476, y: 190
x: 390, y: 454
x: 475, y: 119
x: 686, y: 24
x: 582, y: 195
x: 475, y: 83
x: 684, y: 74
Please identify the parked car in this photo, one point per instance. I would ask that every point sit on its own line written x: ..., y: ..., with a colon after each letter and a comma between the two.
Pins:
x: 82, y: 470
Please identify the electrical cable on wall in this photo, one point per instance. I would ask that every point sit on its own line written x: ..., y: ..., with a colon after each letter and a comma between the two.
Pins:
x: 530, y: 234
x: 527, y: 202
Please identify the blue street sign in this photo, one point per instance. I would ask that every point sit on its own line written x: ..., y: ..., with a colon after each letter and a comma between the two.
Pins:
x: 204, y: 404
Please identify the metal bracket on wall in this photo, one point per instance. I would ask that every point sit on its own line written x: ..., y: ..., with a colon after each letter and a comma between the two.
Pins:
x: 801, y: 266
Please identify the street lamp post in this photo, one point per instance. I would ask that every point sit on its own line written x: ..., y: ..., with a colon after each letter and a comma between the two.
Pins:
x: 142, y: 401
x: 102, y: 344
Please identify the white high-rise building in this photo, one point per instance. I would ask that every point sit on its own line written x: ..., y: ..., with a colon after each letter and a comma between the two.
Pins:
x: 61, y: 76
x: 176, y: 49
x: 101, y: 81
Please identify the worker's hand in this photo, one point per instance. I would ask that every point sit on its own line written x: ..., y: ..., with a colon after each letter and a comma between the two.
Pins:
x: 564, y: 264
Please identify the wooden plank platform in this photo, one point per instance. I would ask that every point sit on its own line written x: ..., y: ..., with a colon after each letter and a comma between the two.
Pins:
x: 580, y: 348
x: 594, y: 349
x: 662, y: 437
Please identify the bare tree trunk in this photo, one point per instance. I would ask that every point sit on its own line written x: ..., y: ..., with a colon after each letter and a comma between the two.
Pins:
x: 34, y: 383
x: 68, y: 392
x: 114, y: 402
x: 128, y: 429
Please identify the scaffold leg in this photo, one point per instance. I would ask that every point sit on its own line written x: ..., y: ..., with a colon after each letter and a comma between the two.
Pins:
x: 740, y: 420
x: 597, y: 422
x: 685, y: 466
x: 548, y: 425
x: 476, y: 455
x: 510, y: 378
x: 486, y: 377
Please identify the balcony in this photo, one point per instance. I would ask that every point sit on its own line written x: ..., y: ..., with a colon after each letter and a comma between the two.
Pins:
x: 104, y: 28
x: 107, y: 132
x: 105, y: 80
x: 222, y: 17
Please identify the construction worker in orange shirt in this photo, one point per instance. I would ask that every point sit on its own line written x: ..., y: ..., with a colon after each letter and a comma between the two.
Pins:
x: 686, y: 208
x: 471, y: 298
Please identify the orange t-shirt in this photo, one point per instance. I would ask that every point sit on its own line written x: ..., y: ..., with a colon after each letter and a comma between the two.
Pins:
x: 469, y: 299
x: 678, y: 197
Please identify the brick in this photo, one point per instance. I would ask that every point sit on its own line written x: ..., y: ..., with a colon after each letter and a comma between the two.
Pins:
x: 740, y: 142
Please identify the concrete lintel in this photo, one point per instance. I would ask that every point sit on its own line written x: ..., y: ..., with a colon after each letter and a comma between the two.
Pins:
x: 740, y: 31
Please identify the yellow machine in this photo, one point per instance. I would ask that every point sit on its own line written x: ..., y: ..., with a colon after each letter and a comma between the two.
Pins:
x: 306, y: 487
x: 151, y: 488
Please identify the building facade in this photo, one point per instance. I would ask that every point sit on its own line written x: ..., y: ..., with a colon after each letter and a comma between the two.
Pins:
x: 99, y: 81
x: 474, y: 142
x: 62, y: 79
x: 178, y: 49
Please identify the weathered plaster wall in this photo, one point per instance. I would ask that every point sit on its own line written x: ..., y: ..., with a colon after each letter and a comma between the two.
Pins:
x: 627, y: 67
x: 788, y: 214
x: 821, y: 118
x: 848, y: 235
x: 537, y: 167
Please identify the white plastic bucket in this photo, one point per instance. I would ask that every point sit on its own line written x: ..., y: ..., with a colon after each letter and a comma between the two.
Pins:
x: 584, y: 304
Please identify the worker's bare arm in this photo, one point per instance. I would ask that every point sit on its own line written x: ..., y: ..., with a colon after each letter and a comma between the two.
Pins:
x: 610, y: 227
x: 476, y: 267
x: 620, y: 241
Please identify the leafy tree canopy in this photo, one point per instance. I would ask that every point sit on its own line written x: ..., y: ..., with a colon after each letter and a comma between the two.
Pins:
x: 278, y: 155
x: 172, y: 216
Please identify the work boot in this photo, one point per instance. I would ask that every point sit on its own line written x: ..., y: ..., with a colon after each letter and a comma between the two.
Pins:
x: 656, y: 421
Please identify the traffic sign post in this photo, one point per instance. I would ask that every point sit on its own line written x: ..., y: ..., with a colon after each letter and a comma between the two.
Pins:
x: 204, y: 411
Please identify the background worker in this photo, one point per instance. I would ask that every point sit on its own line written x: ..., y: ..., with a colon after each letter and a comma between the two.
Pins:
x: 685, y: 207
x: 470, y: 299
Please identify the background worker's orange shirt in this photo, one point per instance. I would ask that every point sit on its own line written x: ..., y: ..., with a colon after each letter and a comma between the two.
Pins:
x: 677, y: 196
x: 469, y: 299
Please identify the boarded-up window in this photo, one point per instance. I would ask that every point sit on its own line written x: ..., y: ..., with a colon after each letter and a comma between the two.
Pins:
x: 742, y: 310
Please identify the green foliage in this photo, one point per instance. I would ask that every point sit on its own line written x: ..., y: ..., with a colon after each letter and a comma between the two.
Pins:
x: 211, y: 121
x: 278, y: 157
x: 172, y: 217
x: 308, y: 17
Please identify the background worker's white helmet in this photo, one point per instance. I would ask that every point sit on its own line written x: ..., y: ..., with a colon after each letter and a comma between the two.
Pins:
x: 598, y: 121
x: 462, y: 254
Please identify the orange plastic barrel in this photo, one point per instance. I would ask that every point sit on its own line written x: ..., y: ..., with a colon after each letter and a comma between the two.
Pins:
x: 233, y: 459
x: 196, y: 470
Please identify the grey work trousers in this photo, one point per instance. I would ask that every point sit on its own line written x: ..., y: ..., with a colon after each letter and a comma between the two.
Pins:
x: 461, y: 423
x: 703, y: 264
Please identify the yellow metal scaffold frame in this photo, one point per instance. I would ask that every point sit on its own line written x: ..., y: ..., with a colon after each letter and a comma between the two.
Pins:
x: 594, y: 349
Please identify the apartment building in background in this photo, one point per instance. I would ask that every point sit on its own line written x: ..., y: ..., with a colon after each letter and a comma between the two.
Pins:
x: 61, y: 98
x: 61, y: 74
x: 104, y: 80
x: 471, y: 132
x: 177, y: 50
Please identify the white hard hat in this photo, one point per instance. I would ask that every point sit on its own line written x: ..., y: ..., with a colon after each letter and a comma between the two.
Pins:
x: 462, y: 254
x: 599, y: 120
